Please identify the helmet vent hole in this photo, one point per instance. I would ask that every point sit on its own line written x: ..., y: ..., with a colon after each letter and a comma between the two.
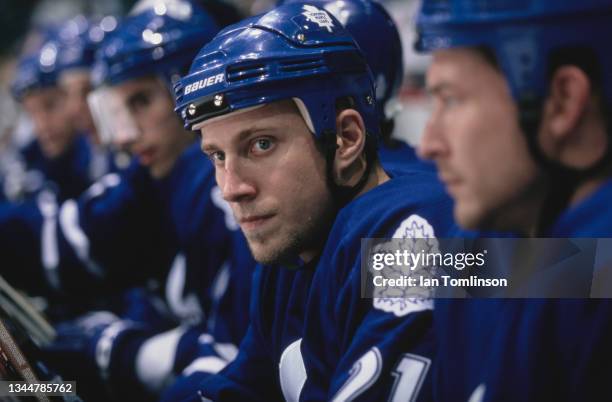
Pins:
x: 305, y: 64
x: 244, y: 72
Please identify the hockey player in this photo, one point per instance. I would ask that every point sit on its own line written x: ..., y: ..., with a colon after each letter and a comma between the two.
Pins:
x: 58, y: 159
x: 58, y: 164
x: 520, y: 132
x: 384, y: 55
x: 72, y: 246
x: 78, y: 40
x: 285, y: 104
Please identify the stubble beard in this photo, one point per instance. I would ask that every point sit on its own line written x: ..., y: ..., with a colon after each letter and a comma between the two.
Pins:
x: 311, y: 235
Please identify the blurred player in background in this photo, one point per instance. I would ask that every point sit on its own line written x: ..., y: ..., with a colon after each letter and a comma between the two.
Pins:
x: 520, y: 132
x: 58, y: 158
x: 79, y: 39
x: 160, y: 224
x: 207, y: 288
x: 286, y: 106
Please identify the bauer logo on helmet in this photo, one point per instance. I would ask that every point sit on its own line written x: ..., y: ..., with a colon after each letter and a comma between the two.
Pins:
x: 203, y: 83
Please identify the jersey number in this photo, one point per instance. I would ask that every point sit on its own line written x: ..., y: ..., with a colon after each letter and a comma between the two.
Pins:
x: 409, y: 375
x: 292, y: 372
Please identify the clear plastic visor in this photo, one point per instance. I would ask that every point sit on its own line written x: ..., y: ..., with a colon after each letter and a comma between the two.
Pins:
x: 114, y: 122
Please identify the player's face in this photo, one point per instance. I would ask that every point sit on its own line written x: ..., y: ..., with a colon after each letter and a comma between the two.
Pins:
x: 160, y: 137
x: 76, y: 85
x: 474, y: 137
x: 272, y: 175
x: 47, y: 109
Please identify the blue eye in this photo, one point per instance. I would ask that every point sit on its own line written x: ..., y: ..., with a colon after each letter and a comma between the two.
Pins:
x: 216, y: 157
x: 263, y: 144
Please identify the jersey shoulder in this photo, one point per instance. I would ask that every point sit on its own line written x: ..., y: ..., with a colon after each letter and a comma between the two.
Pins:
x: 415, y: 196
x: 400, y: 156
x: 590, y: 218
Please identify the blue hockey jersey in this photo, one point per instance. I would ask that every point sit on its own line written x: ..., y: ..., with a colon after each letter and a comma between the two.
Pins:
x: 67, y: 176
x: 315, y: 309
x: 124, y: 220
x: 529, y: 349
x: 174, y: 237
x: 401, y: 156
x: 87, y: 246
x: 146, y: 361
x: 206, y: 289
x: 224, y: 328
x: 379, y: 348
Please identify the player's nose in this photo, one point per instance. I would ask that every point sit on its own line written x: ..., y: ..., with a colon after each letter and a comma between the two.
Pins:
x: 432, y: 144
x: 124, y: 137
x: 235, y: 183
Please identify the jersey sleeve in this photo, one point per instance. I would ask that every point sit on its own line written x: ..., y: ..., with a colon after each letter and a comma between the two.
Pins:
x: 248, y: 377
x: 353, y: 350
x: 147, y: 361
x: 116, y: 224
x: 89, y: 244
x: 367, y: 349
x: 19, y: 246
x: 225, y: 326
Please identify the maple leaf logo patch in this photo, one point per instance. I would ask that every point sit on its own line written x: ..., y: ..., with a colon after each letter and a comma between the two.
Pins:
x: 319, y: 17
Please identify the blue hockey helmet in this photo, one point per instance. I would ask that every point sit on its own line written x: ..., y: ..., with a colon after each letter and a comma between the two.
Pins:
x: 525, y: 37
x: 295, y: 51
x: 378, y: 37
x: 36, y: 70
x: 522, y: 34
x: 161, y: 39
x: 79, y: 38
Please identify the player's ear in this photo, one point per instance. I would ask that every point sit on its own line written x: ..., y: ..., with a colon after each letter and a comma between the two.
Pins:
x: 569, y: 131
x: 350, y: 161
